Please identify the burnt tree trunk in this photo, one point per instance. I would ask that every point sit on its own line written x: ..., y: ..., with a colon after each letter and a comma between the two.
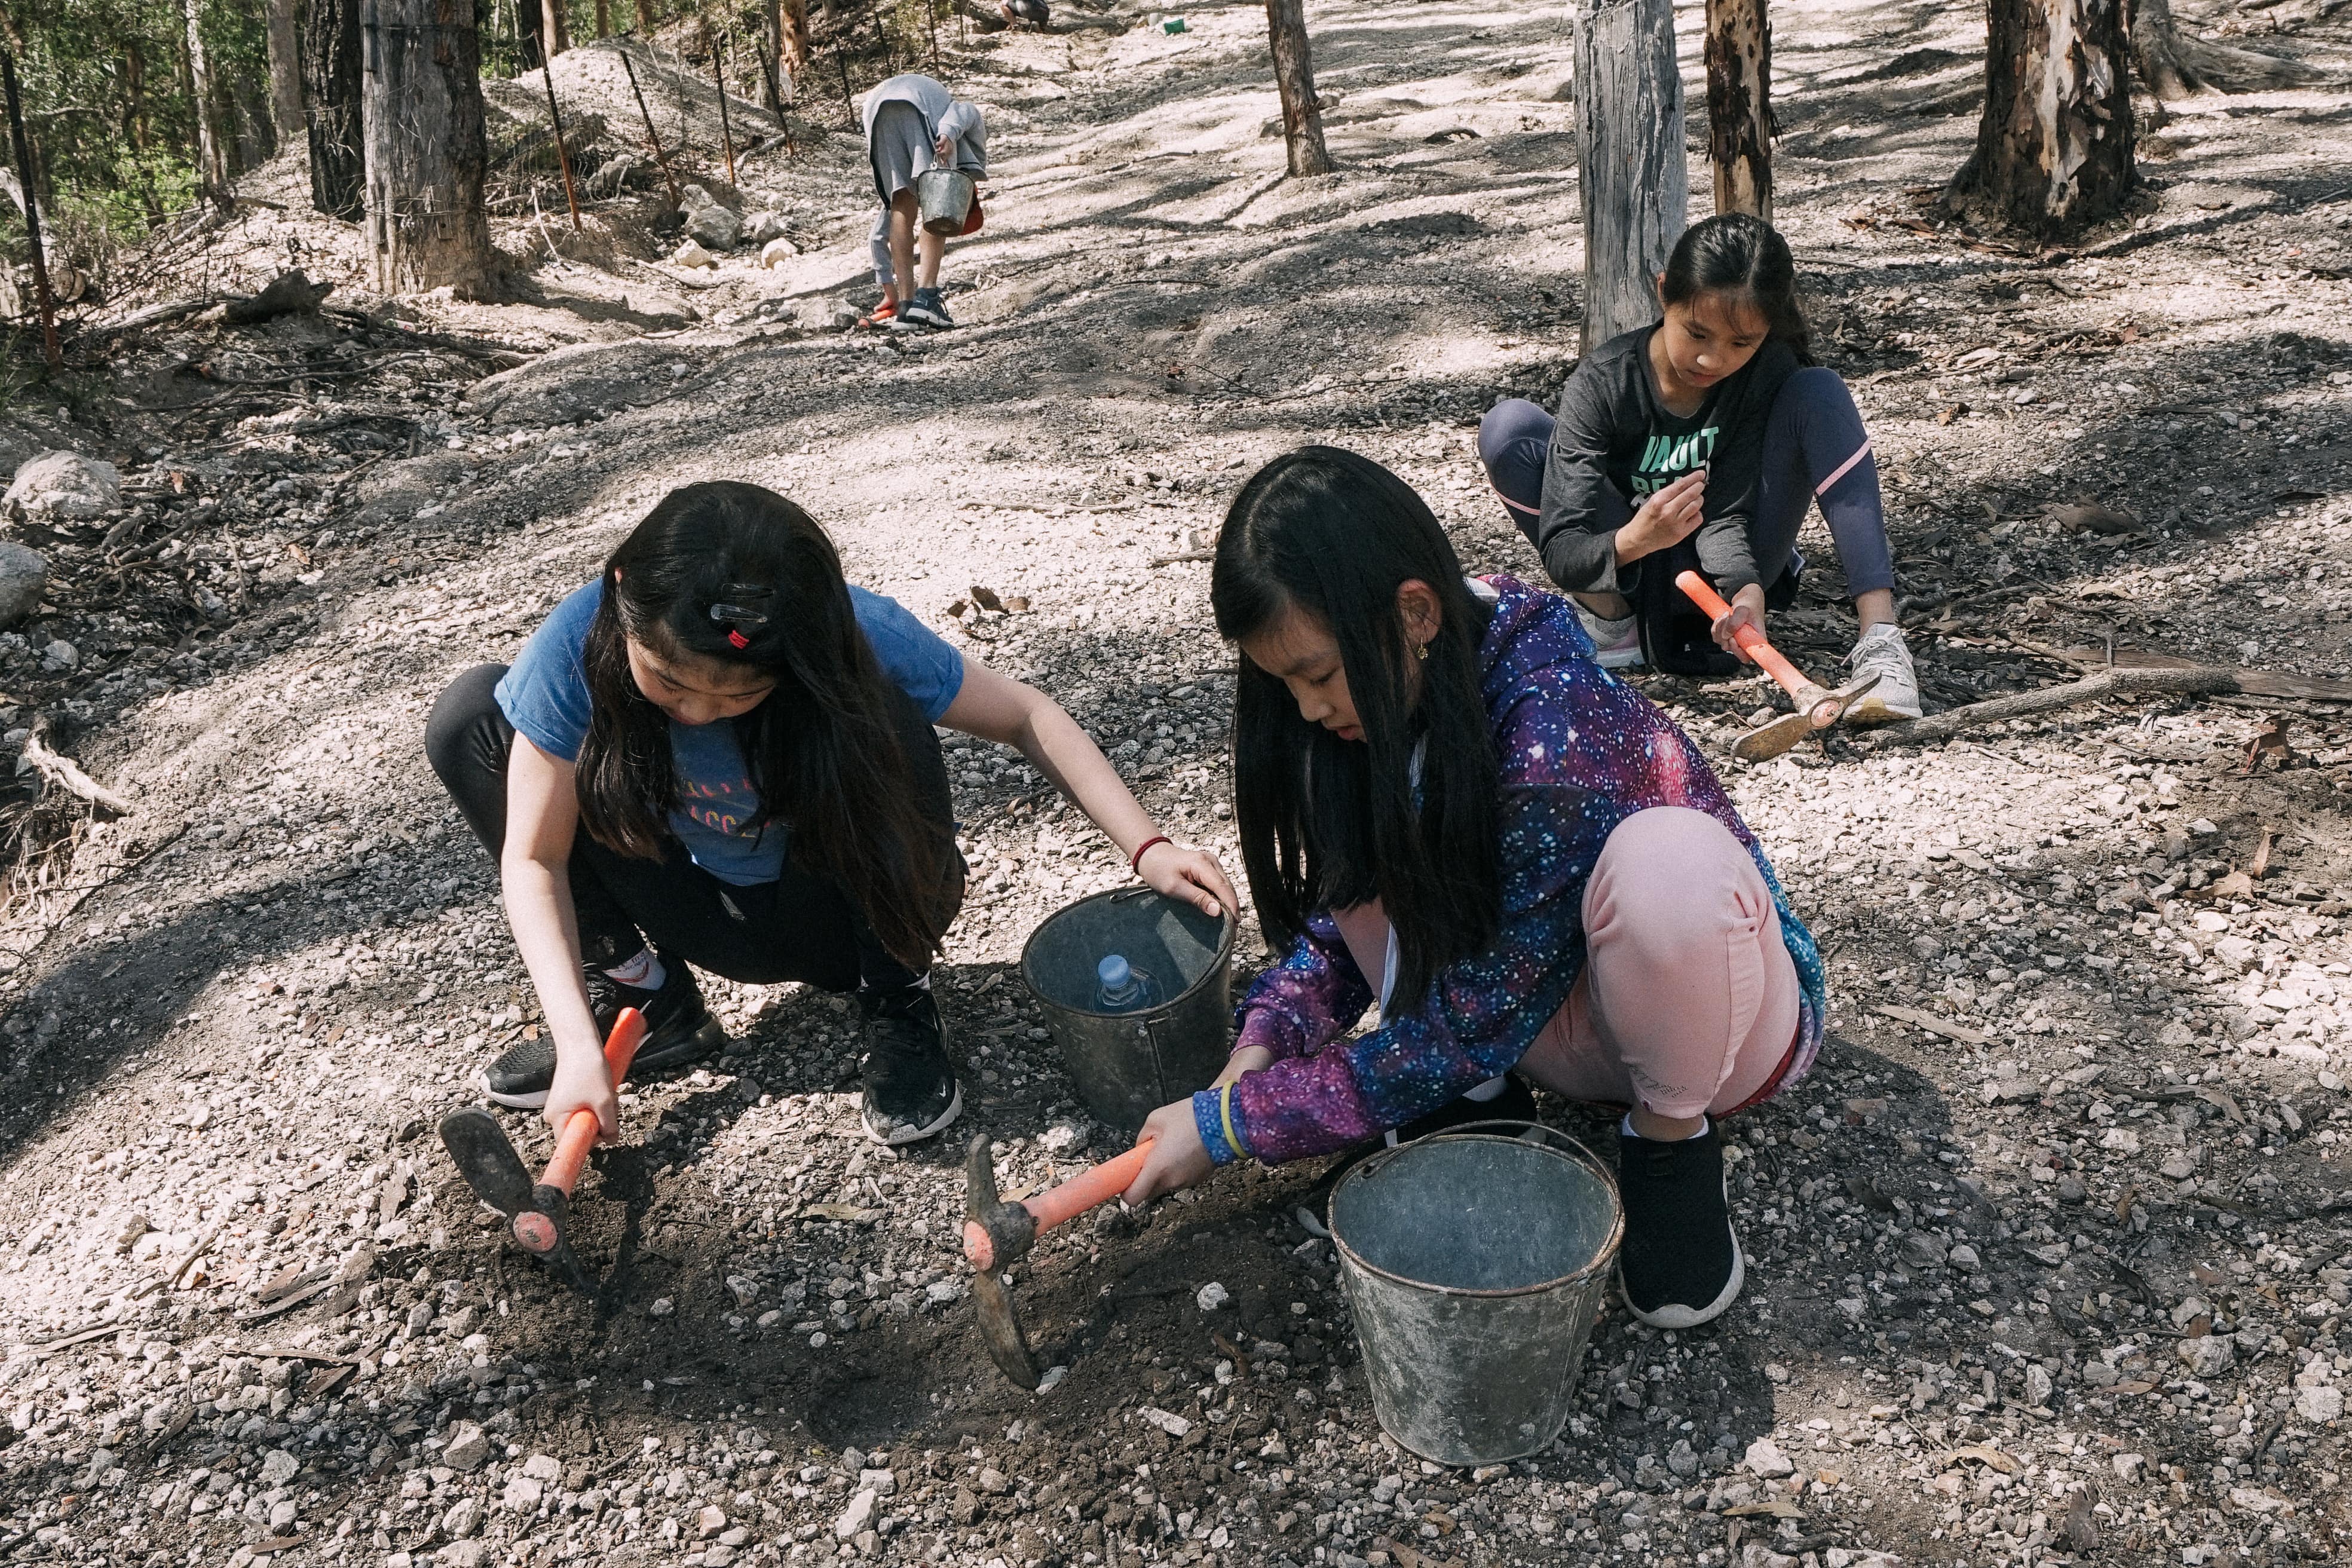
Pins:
x: 1294, y: 79
x: 422, y: 110
x: 2054, y: 148
x: 330, y: 79
x: 530, y: 32
x: 1632, y: 176
x: 1739, y: 105
x: 285, y: 73
x: 211, y: 158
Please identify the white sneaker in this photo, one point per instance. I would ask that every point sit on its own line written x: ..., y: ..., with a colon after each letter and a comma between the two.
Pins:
x: 1616, y: 645
x: 1882, y: 652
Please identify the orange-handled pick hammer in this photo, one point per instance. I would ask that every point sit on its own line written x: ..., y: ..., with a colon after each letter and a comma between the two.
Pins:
x: 541, y: 1226
x: 996, y: 1234
x: 1818, y: 707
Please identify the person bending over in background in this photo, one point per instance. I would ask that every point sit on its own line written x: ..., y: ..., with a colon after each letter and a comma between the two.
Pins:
x: 720, y: 754
x: 1447, y: 810
x: 1700, y: 442
x: 913, y: 123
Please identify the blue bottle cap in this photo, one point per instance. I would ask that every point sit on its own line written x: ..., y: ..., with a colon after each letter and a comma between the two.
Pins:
x: 1113, y: 973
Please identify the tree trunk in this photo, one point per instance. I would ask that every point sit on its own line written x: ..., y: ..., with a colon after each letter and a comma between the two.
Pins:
x: 1632, y: 171
x: 786, y: 41
x: 795, y: 51
x: 2054, y: 148
x: 330, y: 79
x: 1739, y: 105
x: 2174, y: 66
x: 604, y: 19
x: 285, y: 73
x: 211, y: 159
x: 556, y: 29
x: 531, y: 35
x: 1294, y: 78
x: 421, y: 108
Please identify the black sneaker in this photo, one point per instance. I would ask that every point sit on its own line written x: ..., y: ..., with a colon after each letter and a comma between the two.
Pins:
x: 679, y: 1030
x: 929, y: 308
x: 1680, y: 1265
x: 911, y: 1092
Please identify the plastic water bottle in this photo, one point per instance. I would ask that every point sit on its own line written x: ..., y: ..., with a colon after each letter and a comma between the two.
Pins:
x: 1119, y: 987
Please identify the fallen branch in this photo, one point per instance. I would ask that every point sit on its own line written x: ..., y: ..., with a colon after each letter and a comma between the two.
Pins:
x: 63, y: 773
x: 2251, y: 682
x: 288, y: 294
x: 2195, y: 682
x: 156, y: 315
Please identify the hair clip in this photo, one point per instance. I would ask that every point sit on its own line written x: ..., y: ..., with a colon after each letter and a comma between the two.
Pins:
x: 738, y: 638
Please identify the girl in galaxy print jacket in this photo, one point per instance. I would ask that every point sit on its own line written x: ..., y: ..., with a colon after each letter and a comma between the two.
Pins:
x: 1449, y: 811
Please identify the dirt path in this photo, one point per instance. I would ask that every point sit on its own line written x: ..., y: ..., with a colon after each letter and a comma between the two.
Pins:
x: 2068, y: 1226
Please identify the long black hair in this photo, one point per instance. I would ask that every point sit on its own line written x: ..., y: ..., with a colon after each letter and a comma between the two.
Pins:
x: 1743, y: 256
x: 1327, y: 823
x: 737, y: 575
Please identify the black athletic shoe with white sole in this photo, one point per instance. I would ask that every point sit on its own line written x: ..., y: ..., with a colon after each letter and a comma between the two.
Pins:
x: 911, y: 1092
x: 1680, y: 1265
x: 679, y: 1030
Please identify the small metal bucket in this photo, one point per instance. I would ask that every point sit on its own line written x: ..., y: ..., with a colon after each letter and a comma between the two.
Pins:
x: 1475, y: 1262
x: 944, y: 198
x: 1128, y: 1065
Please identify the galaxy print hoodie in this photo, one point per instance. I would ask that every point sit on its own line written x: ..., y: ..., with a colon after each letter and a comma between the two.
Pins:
x: 1581, y: 751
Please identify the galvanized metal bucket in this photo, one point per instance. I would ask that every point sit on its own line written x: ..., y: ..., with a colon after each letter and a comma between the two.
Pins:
x: 1475, y: 1262
x: 1127, y: 1064
x: 943, y: 199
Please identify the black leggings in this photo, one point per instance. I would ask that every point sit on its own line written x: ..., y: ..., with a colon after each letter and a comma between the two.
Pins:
x: 801, y: 927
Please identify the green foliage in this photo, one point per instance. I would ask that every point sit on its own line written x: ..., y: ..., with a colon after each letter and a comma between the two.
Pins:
x: 108, y: 106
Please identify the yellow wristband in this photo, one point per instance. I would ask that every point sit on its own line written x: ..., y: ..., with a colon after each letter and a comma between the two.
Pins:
x: 1226, y: 1112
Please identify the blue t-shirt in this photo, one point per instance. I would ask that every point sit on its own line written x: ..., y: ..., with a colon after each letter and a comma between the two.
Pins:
x: 545, y: 696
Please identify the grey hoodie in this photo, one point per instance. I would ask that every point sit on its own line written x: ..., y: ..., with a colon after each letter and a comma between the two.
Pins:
x: 944, y: 114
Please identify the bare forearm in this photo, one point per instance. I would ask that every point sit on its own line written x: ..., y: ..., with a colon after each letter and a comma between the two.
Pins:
x: 1074, y: 766
x: 546, y: 934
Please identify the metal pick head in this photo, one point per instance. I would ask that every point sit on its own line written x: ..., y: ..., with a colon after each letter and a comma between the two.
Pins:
x: 1000, y: 1325
x: 1769, y: 740
x: 979, y: 1179
x: 485, y: 1157
x: 1000, y: 1329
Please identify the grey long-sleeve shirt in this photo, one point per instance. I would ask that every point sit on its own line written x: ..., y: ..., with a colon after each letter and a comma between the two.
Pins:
x: 1615, y: 443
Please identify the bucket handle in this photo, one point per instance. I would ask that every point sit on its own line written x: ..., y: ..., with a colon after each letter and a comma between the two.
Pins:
x: 1526, y: 1131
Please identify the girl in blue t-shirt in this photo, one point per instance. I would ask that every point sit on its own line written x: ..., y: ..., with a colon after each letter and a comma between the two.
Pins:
x: 746, y: 741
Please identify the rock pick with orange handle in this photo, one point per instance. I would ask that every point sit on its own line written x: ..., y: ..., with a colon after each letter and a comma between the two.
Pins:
x: 998, y: 1234
x: 1818, y: 707
x: 538, y: 1212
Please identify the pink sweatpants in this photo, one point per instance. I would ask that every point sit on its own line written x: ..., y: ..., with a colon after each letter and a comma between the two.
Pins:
x: 1688, y: 998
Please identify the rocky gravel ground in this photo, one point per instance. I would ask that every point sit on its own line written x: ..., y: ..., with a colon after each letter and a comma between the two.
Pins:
x: 2049, y: 1258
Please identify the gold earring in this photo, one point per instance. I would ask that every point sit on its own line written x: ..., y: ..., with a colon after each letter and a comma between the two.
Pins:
x: 1422, y: 653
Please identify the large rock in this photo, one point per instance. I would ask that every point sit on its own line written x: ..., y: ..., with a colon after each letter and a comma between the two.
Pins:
x: 64, y: 486
x: 24, y: 577
x: 714, y: 227
x: 708, y: 221
x: 762, y: 227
